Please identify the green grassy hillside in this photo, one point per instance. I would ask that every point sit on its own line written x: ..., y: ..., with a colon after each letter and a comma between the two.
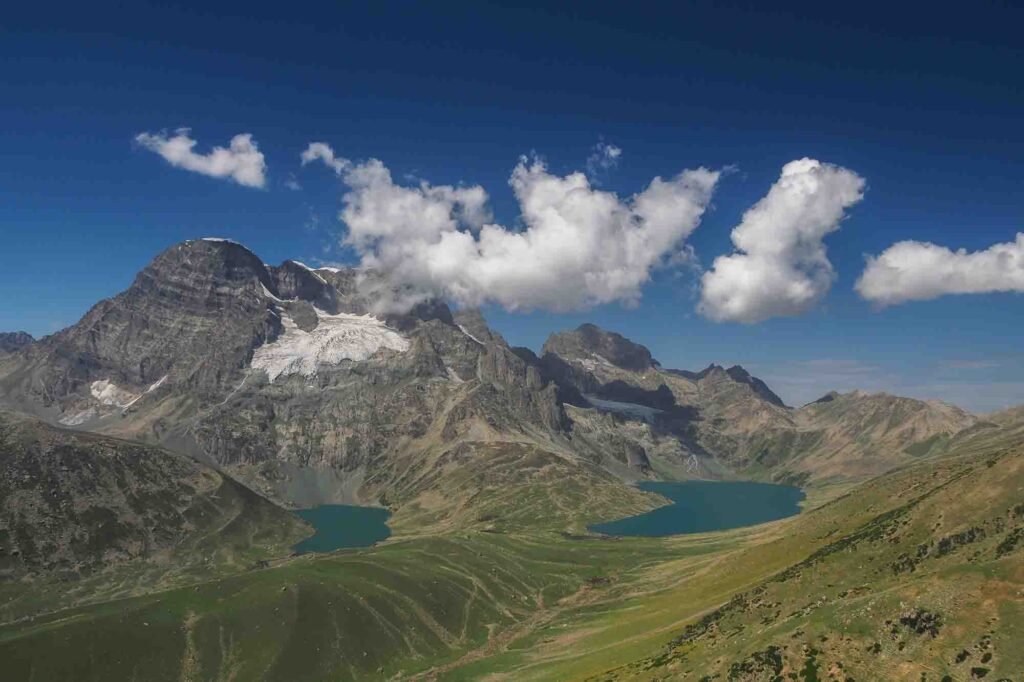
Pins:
x: 918, y: 574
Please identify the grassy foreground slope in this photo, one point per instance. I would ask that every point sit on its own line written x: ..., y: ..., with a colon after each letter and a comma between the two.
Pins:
x: 472, y: 562
x: 397, y: 609
x: 928, y: 584
x: 919, y: 572
x: 88, y: 517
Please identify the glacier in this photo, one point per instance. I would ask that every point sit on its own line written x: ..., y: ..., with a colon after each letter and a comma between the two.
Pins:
x: 336, y: 337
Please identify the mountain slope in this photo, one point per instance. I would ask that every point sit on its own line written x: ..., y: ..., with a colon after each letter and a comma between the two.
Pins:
x: 720, y: 422
x: 14, y: 341
x: 808, y: 596
x: 926, y: 585
x: 286, y: 378
x: 863, y: 433
x: 79, y: 503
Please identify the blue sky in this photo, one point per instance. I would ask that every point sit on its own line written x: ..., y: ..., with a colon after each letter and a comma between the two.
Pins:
x: 922, y: 103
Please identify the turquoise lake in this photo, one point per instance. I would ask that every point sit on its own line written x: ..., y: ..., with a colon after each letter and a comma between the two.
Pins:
x: 341, y: 526
x: 703, y: 506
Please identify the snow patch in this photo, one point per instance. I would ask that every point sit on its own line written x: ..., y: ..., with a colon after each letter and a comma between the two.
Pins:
x: 266, y: 292
x: 466, y: 332
x: 594, y: 361
x: 155, y: 385
x: 78, y: 418
x: 310, y: 270
x: 327, y: 268
x: 693, y: 464
x: 634, y: 410
x: 219, y: 239
x: 337, y: 337
x: 108, y: 393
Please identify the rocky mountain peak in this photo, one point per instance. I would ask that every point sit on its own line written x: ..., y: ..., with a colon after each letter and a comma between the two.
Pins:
x: 297, y: 280
x: 588, y: 343
x: 473, y: 325
x: 827, y: 398
x: 717, y: 374
x: 215, y: 258
x: 711, y: 370
x: 11, y: 342
x: 193, y: 315
x: 740, y: 375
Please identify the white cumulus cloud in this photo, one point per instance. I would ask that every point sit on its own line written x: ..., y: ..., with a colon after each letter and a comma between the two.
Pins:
x: 918, y: 271
x: 780, y: 267
x: 241, y: 161
x: 579, y: 246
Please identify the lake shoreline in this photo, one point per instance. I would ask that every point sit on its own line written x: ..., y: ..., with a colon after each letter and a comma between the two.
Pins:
x: 706, y: 506
x: 342, y: 526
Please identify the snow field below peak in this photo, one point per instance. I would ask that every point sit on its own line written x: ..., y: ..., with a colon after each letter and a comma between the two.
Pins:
x: 336, y: 338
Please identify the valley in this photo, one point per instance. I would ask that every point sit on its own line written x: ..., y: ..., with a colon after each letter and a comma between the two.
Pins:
x: 153, y: 453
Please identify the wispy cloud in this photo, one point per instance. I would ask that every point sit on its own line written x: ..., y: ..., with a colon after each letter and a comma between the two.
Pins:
x: 968, y: 364
x: 603, y: 158
x: 320, y: 151
x: 241, y: 161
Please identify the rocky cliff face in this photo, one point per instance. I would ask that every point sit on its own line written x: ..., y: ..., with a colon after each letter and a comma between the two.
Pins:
x: 191, y: 318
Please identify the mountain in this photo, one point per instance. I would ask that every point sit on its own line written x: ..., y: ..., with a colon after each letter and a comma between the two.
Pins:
x: 590, y: 345
x: 78, y: 503
x: 285, y: 378
x: 864, y: 433
x: 14, y: 341
x: 727, y: 422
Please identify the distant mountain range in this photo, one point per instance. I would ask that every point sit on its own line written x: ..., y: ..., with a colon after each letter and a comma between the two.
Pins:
x: 283, y: 377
